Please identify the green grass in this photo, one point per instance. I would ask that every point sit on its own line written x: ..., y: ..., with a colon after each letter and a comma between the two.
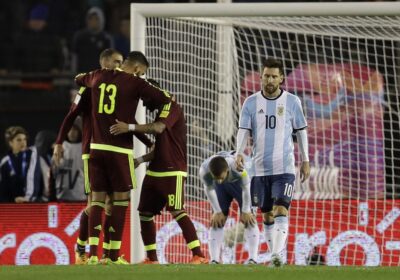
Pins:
x: 191, y: 272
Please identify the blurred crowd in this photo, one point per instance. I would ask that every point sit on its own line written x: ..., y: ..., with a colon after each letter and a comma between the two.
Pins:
x: 52, y: 36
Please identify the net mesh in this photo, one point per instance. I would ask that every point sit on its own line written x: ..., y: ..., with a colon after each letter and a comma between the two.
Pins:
x: 346, y: 72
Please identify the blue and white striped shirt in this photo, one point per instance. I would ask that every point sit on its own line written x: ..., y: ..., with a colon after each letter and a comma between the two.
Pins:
x: 272, y: 122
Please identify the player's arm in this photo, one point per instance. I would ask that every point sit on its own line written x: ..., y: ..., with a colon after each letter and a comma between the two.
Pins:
x: 145, y: 158
x: 76, y: 109
x: 242, y: 135
x: 119, y: 127
x: 246, y: 217
x: 302, y: 139
x: 218, y: 218
x: 299, y: 123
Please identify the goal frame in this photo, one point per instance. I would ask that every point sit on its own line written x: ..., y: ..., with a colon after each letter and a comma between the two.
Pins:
x: 139, y: 12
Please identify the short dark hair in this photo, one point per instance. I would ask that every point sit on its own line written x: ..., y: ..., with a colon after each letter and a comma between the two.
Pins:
x: 137, y: 57
x: 13, y: 131
x: 218, y: 165
x: 108, y: 52
x: 273, y: 63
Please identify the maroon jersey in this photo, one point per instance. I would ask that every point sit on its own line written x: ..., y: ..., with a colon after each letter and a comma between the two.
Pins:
x: 81, y: 106
x: 170, y: 145
x: 114, y: 96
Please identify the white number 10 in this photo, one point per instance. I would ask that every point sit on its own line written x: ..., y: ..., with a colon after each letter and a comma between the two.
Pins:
x: 288, y: 190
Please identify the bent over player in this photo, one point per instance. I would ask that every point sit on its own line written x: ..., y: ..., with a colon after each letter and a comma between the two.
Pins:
x: 223, y: 183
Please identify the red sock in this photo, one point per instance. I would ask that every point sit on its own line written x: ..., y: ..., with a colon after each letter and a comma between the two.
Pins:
x: 117, y: 223
x: 189, y: 233
x: 83, y: 232
x: 96, y: 210
x: 106, y: 237
x: 148, y: 230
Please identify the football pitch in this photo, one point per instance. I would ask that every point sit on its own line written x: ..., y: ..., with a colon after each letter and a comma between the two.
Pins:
x: 191, y: 272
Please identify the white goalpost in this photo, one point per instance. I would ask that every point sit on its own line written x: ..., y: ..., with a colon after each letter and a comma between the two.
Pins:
x: 343, y: 61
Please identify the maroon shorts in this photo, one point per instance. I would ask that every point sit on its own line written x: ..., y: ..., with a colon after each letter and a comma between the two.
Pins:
x: 111, y: 171
x: 162, y: 191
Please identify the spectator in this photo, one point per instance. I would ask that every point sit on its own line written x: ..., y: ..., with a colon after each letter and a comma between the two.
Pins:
x: 36, y: 49
x: 69, y: 174
x: 88, y: 43
x: 122, y: 39
x: 44, y: 142
x: 17, y: 168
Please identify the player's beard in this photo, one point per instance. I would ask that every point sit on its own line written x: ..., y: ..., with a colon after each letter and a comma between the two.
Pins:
x: 270, y: 89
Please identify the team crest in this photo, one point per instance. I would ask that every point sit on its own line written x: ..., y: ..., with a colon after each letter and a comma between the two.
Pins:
x: 280, y: 110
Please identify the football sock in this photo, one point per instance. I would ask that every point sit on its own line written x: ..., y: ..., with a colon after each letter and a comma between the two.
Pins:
x: 268, y: 230
x: 189, y: 233
x: 95, y: 213
x: 252, y: 236
x: 106, y: 236
x: 83, y: 232
x: 215, y: 243
x: 116, y: 228
x: 280, y: 234
x: 148, y: 230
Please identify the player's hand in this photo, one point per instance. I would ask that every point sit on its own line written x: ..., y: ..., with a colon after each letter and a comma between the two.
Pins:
x: 218, y: 220
x: 58, y: 153
x: 239, y: 162
x: 304, y: 171
x: 119, y: 128
x: 247, y: 219
x: 20, y: 199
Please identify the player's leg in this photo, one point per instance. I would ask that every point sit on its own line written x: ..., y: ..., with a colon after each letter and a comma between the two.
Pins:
x: 106, y: 227
x: 175, y: 206
x: 282, y: 190
x: 99, y: 183
x: 217, y: 233
x: 251, y: 232
x: 261, y: 193
x: 119, y: 206
x: 268, y: 225
x: 80, y: 254
x: 121, y: 173
x: 151, y: 202
x: 95, y: 214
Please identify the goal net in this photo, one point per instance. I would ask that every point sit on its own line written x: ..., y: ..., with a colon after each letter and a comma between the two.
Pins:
x: 344, y: 68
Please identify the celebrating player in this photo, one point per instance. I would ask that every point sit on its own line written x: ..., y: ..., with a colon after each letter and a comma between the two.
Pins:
x: 109, y: 59
x: 163, y: 185
x: 114, y: 95
x: 271, y: 116
x: 223, y: 183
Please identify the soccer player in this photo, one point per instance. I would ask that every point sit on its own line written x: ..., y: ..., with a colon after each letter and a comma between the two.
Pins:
x: 270, y: 116
x: 163, y: 185
x: 223, y: 183
x: 109, y: 59
x: 114, y: 95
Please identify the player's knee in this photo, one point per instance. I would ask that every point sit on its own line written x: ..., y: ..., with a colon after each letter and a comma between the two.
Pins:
x: 146, y: 216
x: 178, y: 214
x: 281, y: 210
x: 121, y: 195
x: 98, y: 196
x: 268, y: 217
x: 108, y: 208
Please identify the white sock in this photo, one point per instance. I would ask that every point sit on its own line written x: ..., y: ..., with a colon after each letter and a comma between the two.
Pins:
x: 268, y: 229
x: 279, y: 234
x: 215, y: 243
x: 252, y: 236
